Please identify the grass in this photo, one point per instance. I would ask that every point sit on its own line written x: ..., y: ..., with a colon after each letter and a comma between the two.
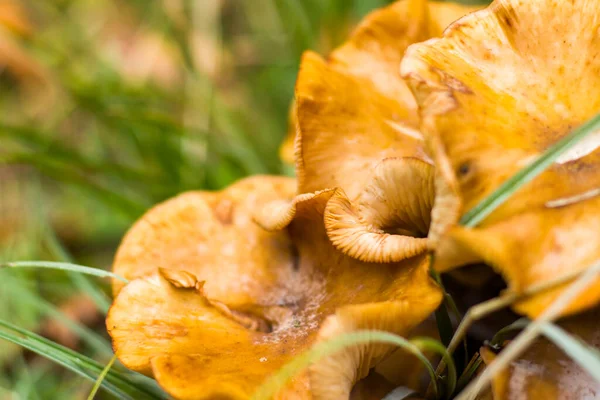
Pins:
x: 86, y: 151
x: 320, y: 351
x: 91, y: 145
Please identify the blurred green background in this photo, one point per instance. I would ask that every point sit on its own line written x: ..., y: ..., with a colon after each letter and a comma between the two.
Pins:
x: 110, y: 106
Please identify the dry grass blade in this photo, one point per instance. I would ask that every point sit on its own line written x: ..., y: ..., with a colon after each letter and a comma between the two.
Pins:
x: 587, y: 356
x: 520, y: 344
x: 481, y: 310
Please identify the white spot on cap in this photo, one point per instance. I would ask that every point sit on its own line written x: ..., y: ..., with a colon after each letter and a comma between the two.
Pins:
x: 585, y: 146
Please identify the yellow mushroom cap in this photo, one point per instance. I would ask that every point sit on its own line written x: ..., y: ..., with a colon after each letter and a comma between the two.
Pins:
x: 500, y: 87
x: 357, y: 130
x: 210, y: 323
x: 389, y: 220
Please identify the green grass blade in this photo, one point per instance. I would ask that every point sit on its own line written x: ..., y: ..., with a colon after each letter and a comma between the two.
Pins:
x: 87, y: 336
x: 117, y: 383
x: 425, y: 343
x: 442, y: 317
x: 101, y: 377
x: 585, y: 355
x: 63, y: 267
x: 329, y: 347
x: 502, y: 335
x: 443, y: 321
x: 111, y: 196
x: 478, y: 213
x: 294, y: 13
x: 444, y: 324
x: 468, y: 374
x: 81, y: 282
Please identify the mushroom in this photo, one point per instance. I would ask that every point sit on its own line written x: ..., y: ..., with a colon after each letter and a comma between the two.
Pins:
x: 358, y: 131
x: 217, y: 303
x: 500, y: 87
x: 544, y: 371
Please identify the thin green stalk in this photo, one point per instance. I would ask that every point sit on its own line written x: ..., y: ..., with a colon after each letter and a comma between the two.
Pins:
x: 303, y: 25
x: 442, y: 317
x: 478, y: 213
x: 444, y: 324
x: 426, y: 343
x: 321, y: 350
x: 63, y: 267
x: 502, y: 335
x: 488, y: 307
x: 101, y: 378
x: 468, y: 373
x: 120, y: 384
x: 88, y: 336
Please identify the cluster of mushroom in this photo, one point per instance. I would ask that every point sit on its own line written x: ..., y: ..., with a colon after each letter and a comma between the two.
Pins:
x: 396, y: 136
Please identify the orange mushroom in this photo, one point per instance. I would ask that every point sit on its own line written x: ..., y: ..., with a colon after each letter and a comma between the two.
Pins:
x: 228, y: 286
x: 498, y: 89
x: 358, y: 131
x: 217, y: 303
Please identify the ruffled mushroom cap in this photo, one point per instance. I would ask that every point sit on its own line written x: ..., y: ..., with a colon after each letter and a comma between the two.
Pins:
x: 232, y: 302
x: 195, y: 231
x: 498, y: 89
x: 357, y: 127
x: 545, y: 372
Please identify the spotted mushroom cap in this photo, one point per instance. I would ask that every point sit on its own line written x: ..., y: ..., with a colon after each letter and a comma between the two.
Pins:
x: 501, y: 86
